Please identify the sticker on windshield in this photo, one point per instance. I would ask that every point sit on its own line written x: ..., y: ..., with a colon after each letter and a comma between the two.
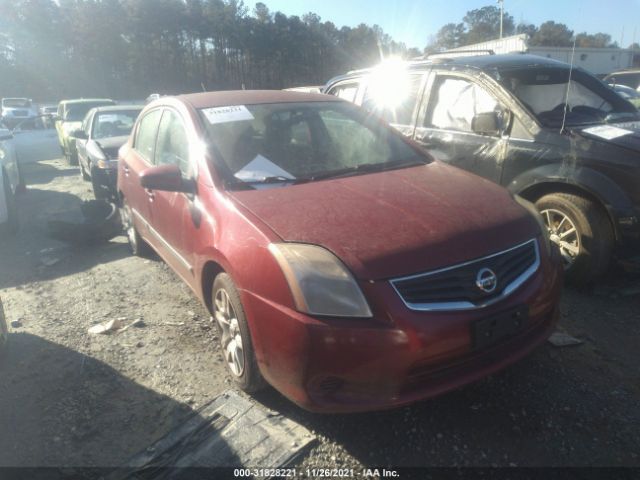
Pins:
x: 233, y: 113
x: 607, y: 132
x: 260, y: 168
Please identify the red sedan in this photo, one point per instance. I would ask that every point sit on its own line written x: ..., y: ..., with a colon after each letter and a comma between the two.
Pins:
x: 344, y: 266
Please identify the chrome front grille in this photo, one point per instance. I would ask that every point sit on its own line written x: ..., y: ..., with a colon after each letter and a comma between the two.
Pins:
x: 456, y: 287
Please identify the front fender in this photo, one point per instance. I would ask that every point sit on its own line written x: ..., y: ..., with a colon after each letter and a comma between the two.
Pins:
x: 605, y: 190
x: 556, y: 177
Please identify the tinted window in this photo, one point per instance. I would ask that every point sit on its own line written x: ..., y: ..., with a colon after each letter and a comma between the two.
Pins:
x: 146, y: 134
x: 454, y: 103
x: 393, y: 98
x: 172, y: 146
x: 346, y: 91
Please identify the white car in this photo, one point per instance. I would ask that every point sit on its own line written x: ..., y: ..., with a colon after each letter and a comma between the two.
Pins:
x: 15, y: 110
x: 10, y: 182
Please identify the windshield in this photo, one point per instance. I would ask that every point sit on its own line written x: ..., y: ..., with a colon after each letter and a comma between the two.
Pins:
x: 76, y: 112
x: 295, y: 142
x: 114, y: 124
x: 546, y: 91
x: 16, y: 103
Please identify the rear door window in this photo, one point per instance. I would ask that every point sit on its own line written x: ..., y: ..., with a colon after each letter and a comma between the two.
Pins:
x: 146, y: 134
x: 455, y: 101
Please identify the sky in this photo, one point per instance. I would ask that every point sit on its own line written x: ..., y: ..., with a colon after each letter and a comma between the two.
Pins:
x: 414, y: 22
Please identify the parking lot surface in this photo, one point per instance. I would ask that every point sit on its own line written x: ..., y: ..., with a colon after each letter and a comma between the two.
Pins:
x: 70, y: 398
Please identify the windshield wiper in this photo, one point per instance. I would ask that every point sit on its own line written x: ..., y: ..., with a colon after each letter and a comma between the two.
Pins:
x: 365, y: 168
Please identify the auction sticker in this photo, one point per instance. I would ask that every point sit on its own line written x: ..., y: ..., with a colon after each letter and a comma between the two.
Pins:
x: 232, y: 113
x: 607, y: 132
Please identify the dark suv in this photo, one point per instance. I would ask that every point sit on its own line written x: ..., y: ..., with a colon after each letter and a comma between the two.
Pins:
x: 556, y: 136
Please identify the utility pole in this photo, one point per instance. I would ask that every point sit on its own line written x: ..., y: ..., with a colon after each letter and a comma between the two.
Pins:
x: 501, y: 2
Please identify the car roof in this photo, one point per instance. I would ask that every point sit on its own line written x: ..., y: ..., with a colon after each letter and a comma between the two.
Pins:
x: 249, y: 97
x: 481, y: 62
x: 118, y: 108
x: 86, y: 100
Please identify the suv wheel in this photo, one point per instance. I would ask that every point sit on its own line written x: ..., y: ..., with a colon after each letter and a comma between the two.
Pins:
x: 235, y: 338
x: 582, y: 231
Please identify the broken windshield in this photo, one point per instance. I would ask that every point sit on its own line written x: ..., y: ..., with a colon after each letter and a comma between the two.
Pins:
x: 548, y: 92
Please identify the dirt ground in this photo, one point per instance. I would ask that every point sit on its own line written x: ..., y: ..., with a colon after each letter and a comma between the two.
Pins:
x: 68, y: 398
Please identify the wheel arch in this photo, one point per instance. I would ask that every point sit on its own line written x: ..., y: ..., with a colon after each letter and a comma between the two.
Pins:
x: 210, y: 270
x: 584, y: 182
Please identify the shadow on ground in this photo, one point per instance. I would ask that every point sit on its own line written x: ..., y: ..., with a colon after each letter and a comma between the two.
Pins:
x: 61, y: 408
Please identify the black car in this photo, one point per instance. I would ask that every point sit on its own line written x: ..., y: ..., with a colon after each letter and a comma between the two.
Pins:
x: 104, y: 130
x: 555, y: 135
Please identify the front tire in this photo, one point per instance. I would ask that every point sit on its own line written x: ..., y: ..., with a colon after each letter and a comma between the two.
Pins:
x: 235, y: 338
x: 583, y: 233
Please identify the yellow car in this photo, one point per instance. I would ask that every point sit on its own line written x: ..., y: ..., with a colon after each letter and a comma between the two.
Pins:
x: 70, y: 116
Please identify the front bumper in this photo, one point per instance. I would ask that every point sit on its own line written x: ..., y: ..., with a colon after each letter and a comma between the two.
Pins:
x: 106, y: 176
x: 398, y: 357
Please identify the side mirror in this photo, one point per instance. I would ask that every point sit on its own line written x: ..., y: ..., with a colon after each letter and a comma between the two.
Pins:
x: 491, y: 123
x: 167, y: 178
x: 79, y: 134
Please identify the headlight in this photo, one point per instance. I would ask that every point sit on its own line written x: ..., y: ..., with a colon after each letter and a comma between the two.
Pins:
x: 319, y: 281
x: 544, y: 231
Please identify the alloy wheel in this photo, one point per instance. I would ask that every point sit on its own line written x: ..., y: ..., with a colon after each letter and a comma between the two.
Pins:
x: 230, y: 331
x: 562, y: 232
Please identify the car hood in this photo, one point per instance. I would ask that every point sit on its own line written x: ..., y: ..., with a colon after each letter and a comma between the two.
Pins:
x: 112, y: 142
x: 397, y: 222
x: 625, y: 134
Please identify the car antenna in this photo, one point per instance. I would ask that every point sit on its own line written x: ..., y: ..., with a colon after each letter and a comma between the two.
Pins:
x: 566, y: 97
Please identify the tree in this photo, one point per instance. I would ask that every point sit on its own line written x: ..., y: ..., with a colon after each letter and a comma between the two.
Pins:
x: 484, y: 24
x: 452, y: 35
x: 596, y: 40
x: 552, y: 34
x: 528, y: 29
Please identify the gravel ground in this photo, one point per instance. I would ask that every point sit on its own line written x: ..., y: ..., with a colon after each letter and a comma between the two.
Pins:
x: 68, y: 398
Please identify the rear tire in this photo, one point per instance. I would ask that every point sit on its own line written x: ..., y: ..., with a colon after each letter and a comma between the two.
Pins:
x: 582, y: 231
x: 235, y: 337
x: 137, y: 245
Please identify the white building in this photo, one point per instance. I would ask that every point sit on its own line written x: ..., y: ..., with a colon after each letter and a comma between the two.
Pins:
x: 598, y: 61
